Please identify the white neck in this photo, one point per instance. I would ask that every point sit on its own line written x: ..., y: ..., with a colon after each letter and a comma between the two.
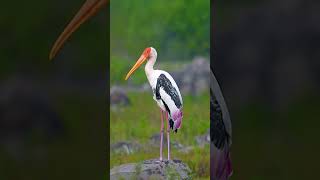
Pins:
x: 149, y: 66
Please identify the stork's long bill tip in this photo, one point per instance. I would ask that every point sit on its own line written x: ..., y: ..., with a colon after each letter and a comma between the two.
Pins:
x: 89, y: 8
x: 127, y: 76
x: 139, y: 62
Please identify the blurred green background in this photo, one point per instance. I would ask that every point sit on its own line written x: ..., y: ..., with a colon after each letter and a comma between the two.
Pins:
x: 179, y: 31
x: 52, y: 114
x: 172, y: 27
x: 267, y: 63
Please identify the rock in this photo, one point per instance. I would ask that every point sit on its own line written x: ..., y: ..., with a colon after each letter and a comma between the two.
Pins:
x: 155, y: 140
x: 125, y: 147
x: 186, y: 149
x: 180, y: 147
x: 151, y: 169
x: 194, y: 78
x: 203, y: 139
x: 118, y: 97
x: 176, y: 145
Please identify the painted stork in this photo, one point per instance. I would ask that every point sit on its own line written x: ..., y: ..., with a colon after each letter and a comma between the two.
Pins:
x: 165, y: 92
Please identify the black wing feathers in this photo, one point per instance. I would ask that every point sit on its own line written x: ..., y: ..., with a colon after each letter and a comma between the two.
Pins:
x: 219, y: 135
x: 165, y: 83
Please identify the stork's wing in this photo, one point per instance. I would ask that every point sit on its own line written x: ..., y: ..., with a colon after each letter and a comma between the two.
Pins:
x: 168, y: 91
x: 220, y: 105
x: 220, y: 134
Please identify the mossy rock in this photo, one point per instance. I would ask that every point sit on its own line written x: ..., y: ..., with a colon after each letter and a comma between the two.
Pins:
x: 151, y: 169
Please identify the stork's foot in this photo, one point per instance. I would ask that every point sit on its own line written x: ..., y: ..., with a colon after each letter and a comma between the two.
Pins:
x: 160, y: 160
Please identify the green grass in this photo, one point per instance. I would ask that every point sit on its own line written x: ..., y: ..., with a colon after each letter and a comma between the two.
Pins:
x: 141, y: 120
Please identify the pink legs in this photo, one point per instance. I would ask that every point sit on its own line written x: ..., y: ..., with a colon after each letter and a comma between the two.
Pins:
x: 161, y: 134
x: 168, y: 135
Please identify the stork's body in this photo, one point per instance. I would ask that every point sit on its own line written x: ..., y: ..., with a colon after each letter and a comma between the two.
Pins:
x: 167, y: 95
x: 165, y: 92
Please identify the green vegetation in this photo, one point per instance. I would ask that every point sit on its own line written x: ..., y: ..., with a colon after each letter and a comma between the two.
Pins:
x: 138, y: 170
x: 172, y: 27
x: 120, y: 67
x: 171, y: 173
x: 141, y: 120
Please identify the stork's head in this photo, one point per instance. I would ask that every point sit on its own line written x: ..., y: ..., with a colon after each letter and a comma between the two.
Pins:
x: 148, y: 53
x: 89, y: 8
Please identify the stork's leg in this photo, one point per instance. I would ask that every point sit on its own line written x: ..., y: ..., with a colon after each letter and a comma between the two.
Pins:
x: 161, y: 133
x: 168, y: 135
